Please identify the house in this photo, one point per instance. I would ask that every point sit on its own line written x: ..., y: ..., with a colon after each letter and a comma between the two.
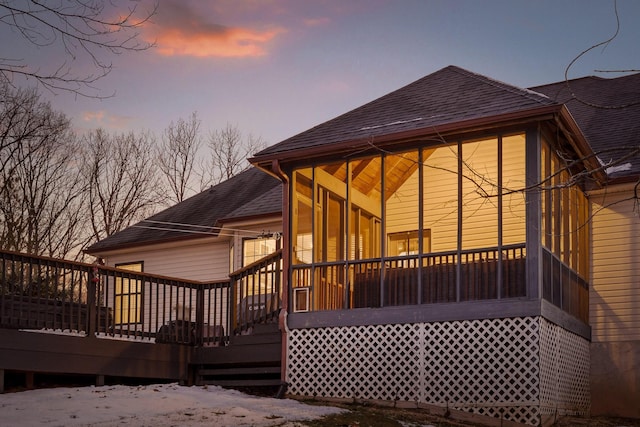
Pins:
x: 187, y: 285
x: 467, y: 244
x: 205, y: 237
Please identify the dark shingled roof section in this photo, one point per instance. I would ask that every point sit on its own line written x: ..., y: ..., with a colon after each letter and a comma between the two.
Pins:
x: 449, y: 95
x: 609, y: 117
x: 264, y: 204
x: 207, y: 208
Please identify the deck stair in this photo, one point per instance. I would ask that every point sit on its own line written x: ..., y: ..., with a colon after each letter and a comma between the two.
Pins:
x: 250, y: 360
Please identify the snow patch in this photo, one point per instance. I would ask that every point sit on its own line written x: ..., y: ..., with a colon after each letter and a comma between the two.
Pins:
x: 613, y: 169
x: 618, y: 168
x: 159, y: 405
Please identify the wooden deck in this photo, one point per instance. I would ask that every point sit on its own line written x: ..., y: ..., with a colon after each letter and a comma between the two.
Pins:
x: 64, y: 318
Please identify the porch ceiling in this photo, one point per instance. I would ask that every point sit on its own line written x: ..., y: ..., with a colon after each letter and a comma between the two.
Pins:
x: 366, y: 174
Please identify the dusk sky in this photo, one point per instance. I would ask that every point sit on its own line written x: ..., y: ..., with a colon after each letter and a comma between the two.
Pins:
x: 278, y: 67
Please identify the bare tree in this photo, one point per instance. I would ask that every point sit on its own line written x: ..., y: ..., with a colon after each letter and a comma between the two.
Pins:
x: 40, y: 193
x: 602, y: 44
x: 122, y: 182
x: 22, y: 117
x: 229, y: 153
x: 78, y: 29
x: 176, y: 156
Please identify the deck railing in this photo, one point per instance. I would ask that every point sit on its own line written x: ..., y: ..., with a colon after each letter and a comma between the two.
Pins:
x: 469, y: 275
x: 39, y: 293
x: 258, y: 291
x: 563, y: 287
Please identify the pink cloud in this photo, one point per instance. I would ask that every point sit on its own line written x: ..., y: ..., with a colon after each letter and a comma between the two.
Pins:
x: 183, y: 28
x: 231, y: 42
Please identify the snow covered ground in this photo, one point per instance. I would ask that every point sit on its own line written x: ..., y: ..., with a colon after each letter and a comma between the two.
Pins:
x: 151, y: 405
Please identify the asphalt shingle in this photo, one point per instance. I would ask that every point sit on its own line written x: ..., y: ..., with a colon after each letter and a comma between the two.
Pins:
x: 608, y: 114
x: 205, y: 209
x: 449, y: 95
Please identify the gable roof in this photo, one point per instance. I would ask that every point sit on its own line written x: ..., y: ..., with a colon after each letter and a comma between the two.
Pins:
x: 608, y: 114
x: 448, y: 96
x: 230, y: 199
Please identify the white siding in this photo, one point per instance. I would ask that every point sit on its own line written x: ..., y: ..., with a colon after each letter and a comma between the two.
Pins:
x: 615, y: 270
x: 479, y: 191
x: 402, y: 207
x: 202, y: 260
x: 441, y: 198
x: 513, y: 179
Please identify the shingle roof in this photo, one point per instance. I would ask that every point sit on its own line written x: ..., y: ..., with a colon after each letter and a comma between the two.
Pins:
x: 269, y: 203
x: 449, y: 95
x: 229, y: 199
x: 608, y: 114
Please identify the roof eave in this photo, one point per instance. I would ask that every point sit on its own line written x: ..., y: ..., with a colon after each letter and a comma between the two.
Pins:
x: 439, y: 131
x: 251, y: 217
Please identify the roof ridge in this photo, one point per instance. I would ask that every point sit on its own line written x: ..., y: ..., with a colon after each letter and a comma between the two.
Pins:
x: 527, y: 93
x: 589, y: 77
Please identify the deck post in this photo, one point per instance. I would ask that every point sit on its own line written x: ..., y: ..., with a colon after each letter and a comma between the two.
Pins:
x: 29, y: 380
x: 92, y: 311
x: 533, y: 237
x: 199, y: 316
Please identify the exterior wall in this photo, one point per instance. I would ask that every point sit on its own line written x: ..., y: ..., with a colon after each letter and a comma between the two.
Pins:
x: 615, y: 303
x: 202, y: 259
x: 522, y: 369
x: 615, y: 378
x: 198, y: 259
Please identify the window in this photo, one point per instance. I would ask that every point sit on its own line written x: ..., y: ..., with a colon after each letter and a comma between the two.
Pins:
x: 128, y: 295
x: 255, y: 249
x: 302, y: 218
x: 406, y: 243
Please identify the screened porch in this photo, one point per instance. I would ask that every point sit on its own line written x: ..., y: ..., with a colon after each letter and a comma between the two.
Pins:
x: 439, y: 223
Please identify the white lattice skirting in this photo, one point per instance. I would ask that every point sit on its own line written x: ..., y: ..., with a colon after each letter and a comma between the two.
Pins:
x: 523, y: 369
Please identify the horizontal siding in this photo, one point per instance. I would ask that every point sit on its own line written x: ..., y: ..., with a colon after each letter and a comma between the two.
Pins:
x: 513, y: 179
x: 615, y: 276
x: 402, y: 207
x: 202, y: 261
x: 441, y: 198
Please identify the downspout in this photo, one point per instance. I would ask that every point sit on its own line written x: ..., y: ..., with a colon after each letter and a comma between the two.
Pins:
x: 286, y: 237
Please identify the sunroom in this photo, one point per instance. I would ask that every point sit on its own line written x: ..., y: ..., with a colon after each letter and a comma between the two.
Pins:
x: 446, y: 221
x: 436, y: 251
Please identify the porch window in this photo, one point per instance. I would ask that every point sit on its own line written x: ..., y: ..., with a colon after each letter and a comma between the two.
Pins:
x: 302, y: 218
x: 565, y: 237
x: 128, y: 295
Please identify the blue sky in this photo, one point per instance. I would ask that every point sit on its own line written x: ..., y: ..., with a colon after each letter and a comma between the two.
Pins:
x: 278, y: 67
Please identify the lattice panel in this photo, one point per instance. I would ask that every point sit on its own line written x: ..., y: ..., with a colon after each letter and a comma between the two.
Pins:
x: 355, y: 362
x: 564, y: 372
x: 490, y: 367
